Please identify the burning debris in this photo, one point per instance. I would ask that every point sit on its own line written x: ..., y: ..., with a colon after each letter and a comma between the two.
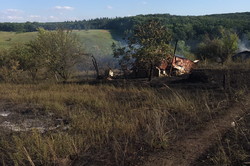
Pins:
x: 109, y: 74
x: 4, y: 114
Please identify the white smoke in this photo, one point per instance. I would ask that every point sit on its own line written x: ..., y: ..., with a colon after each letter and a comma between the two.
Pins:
x: 244, y: 44
x: 243, y: 47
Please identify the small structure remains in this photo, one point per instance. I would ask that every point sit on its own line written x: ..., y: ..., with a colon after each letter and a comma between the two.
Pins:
x: 183, y: 65
x: 179, y: 63
x: 109, y: 74
x: 161, y: 70
x: 241, y: 56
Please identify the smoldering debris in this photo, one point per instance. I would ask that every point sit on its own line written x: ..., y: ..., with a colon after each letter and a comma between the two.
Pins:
x: 4, y: 114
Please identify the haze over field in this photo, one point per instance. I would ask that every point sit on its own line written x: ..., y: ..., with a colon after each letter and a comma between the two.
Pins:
x: 65, y: 10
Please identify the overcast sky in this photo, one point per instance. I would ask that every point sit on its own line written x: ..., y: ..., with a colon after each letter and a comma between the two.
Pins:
x: 63, y: 10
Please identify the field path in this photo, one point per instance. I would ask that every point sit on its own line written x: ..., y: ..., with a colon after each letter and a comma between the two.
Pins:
x: 185, y: 151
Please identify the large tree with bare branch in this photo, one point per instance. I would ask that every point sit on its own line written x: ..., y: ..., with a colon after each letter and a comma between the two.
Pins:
x: 146, y: 46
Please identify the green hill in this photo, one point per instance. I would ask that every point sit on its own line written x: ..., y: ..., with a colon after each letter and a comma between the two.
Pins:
x: 8, y: 39
x: 97, y: 42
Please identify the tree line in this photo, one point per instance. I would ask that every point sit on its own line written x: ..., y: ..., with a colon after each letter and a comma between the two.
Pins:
x: 183, y: 27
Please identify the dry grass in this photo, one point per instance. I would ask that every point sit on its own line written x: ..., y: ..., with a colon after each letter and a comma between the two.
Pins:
x: 106, y: 124
x: 228, y: 64
x: 231, y: 148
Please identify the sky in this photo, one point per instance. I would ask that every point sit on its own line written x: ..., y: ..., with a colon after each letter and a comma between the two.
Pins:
x: 70, y: 10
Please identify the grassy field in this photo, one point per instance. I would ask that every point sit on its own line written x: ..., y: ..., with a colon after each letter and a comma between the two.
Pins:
x: 100, y: 124
x: 8, y: 39
x: 97, y: 42
x: 116, y: 122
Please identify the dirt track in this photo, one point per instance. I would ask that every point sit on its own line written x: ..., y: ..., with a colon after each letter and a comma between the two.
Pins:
x: 185, y: 151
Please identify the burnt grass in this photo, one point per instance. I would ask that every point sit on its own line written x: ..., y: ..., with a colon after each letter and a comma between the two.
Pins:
x: 232, y: 148
x: 221, y: 87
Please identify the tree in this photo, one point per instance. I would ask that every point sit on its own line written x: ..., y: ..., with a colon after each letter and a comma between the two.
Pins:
x: 209, y: 48
x: 61, y: 51
x: 184, y: 49
x: 221, y: 47
x: 146, y: 47
x: 28, y: 58
x: 10, y: 70
x: 230, y: 42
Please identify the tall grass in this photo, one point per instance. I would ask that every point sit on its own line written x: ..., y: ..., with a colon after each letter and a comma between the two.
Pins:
x: 107, y: 124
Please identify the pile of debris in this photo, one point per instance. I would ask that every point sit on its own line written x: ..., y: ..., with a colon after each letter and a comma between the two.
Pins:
x: 180, y: 64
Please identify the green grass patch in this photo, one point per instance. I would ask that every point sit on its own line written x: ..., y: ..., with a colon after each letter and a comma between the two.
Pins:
x: 8, y: 39
x: 97, y: 42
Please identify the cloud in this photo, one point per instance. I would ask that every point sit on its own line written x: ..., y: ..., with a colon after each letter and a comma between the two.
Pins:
x: 109, y: 7
x: 34, y: 16
x: 53, y: 18
x: 12, y: 11
x: 14, y: 18
x: 144, y: 2
x: 11, y: 15
x: 57, y: 14
x: 63, y: 8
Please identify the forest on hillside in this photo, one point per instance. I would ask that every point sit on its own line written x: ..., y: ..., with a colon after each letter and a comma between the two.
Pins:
x: 183, y: 27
